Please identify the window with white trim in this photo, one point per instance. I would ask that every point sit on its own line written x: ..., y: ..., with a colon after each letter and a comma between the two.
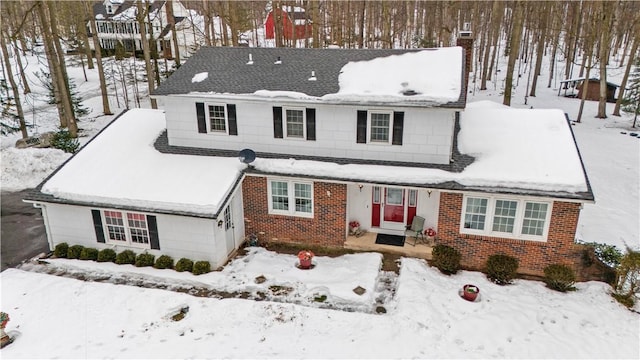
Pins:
x: 295, y: 123
x: 534, y: 218
x: 288, y: 197
x: 217, y: 115
x: 504, y: 216
x: 126, y: 228
x: 380, y: 127
x: 475, y: 213
x: 519, y: 218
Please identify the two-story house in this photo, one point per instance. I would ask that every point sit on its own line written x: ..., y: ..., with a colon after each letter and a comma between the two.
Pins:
x: 116, y: 22
x: 375, y: 136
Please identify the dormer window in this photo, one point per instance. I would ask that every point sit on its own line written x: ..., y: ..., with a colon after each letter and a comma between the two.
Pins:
x: 109, y: 9
x: 295, y: 123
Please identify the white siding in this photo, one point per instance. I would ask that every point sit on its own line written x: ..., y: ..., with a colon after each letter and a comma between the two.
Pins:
x: 427, y: 134
x: 180, y: 236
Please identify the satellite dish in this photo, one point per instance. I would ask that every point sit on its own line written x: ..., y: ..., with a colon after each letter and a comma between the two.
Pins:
x: 247, y: 156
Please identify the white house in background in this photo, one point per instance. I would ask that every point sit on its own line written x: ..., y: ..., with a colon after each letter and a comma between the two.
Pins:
x: 116, y: 22
x: 341, y: 135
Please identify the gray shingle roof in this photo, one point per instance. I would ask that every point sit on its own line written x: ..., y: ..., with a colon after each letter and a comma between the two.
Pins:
x: 228, y: 71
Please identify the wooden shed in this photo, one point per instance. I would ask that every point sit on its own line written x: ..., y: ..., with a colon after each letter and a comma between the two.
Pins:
x: 593, y: 90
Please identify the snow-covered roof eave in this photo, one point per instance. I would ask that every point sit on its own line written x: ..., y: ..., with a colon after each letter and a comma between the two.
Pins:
x: 306, y: 99
x: 453, y: 186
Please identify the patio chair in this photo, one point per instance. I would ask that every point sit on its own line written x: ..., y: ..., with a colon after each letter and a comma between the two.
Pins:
x: 416, y: 230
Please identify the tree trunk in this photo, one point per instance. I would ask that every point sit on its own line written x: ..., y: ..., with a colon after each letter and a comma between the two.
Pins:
x: 585, y: 83
x: 542, y: 31
x: 96, y: 45
x: 634, y: 50
x: 14, y: 86
x: 174, y: 36
x: 207, y: 23
x: 63, y: 79
x: 84, y: 37
x: 605, y: 39
x: 514, y: 45
x: 147, y: 53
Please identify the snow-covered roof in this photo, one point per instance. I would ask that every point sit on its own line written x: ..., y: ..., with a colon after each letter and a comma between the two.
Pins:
x: 516, y: 151
x: 121, y: 167
x: 423, y: 77
x: 526, y: 151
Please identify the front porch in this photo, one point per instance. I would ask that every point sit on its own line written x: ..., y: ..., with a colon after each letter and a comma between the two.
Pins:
x: 367, y: 242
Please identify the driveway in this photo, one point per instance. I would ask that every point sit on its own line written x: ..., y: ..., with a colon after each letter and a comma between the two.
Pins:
x: 23, y: 234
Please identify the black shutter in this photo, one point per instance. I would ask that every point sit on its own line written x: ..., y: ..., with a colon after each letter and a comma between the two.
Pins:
x: 277, y: 122
x: 311, y: 124
x: 202, y: 120
x: 153, y: 232
x: 97, y: 225
x: 233, y: 123
x: 398, y: 125
x: 361, y: 136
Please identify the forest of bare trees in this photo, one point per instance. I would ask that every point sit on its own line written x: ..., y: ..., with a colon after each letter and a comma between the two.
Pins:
x: 581, y: 38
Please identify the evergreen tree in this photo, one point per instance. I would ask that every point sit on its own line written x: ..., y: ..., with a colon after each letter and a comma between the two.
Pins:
x: 76, y: 101
x: 9, y: 118
x: 631, y: 102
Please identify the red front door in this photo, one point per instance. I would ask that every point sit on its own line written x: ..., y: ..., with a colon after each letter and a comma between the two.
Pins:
x: 393, y: 213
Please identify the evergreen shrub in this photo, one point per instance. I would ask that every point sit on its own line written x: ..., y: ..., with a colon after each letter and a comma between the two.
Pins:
x: 107, y: 255
x: 201, y: 267
x: 64, y: 141
x: 164, y: 262
x: 559, y: 277
x: 60, y: 251
x: 184, y: 264
x: 145, y: 259
x: 502, y: 269
x: 126, y: 257
x: 446, y: 259
x: 74, y: 251
x: 89, y: 254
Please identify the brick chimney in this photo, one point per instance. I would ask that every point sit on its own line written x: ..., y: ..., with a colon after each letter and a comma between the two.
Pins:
x: 465, y: 40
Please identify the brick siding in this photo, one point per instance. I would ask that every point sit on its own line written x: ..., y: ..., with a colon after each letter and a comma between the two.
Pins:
x: 326, y: 228
x: 533, y: 256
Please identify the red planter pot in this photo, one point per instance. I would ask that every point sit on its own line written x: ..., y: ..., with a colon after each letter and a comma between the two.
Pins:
x: 470, y: 292
x: 305, y: 264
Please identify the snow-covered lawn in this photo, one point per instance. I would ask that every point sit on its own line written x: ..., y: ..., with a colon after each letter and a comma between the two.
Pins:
x: 57, y: 317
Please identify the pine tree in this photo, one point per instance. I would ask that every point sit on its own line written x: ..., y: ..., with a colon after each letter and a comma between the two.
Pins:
x: 8, y: 115
x: 631, y: 102
x: 76, y: 101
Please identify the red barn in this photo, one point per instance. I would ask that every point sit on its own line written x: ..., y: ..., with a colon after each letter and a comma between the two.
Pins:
x: 293, y: 17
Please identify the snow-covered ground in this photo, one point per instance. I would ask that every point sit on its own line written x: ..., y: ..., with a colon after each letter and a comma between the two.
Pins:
x: 58, y: 317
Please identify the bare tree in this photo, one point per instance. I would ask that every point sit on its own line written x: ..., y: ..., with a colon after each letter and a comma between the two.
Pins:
x: 174, y: 37
x: 140, y: 17
x: 98, y: 50
x: 12, y: 81
x: 514, y: 45
x: 625, y: 78
x: 605, y: 25
x: 60, y: 82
